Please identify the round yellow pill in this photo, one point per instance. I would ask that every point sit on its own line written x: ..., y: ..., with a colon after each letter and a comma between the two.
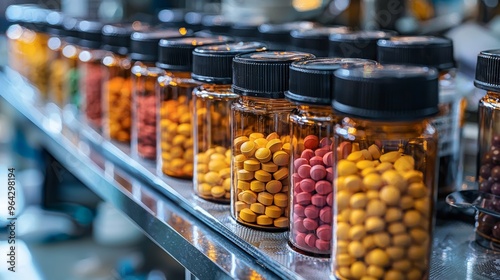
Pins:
x: 263, y: 154
x: 264, y: 220
x: 263, y: 176
x: 248, y: 215
x: 392, y: 177
x: 255, y: 135
x: 248, y: 197
x: 377, y: 257
x: 245, y: 175
x: 265, y: 198
x: 205, y: 189
x: 243, y: 185
x: 274, y: 145
x: 355, y: 156
x: 390, y: 195
x: 281, y: 174
x: 404, y: 164
x: 366, y: 154
x: 287, y: 148
x: 239, y: 141
x: 383, y: 166
x: 390, y: 157
x: 248, y: 148
x: 227, y: 184
x: 374, y: 151
x: 238, y: 161
x: 281, y: 158
x: 257, y: 186
x: 218, y: 192
x: 345, y: 167
x: 216, y: 165
x: 281, y: 200
x: 258, y: 208
x: 225, y: 173
x: 281, y: 222
x: 260, y: 142
x: 251, y: 165
x: 272, y: 136
x: 240, y: 205
x: 269, y: 167
x: 273, y: 186
x: 273, y: 211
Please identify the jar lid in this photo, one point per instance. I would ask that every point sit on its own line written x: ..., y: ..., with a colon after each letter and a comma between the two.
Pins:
x: 427, y: 51
x: 312, y: 81
x: 488, y: 70
x: 245, y: 30
x: 280, y: 32
x: 55, y: 25
x: 214, y: 64
x: 144, y: 44
x: 316, y: 39
x: 216, y: 24
x: 264, y: 74
x: 177, y: 54
x: 172, y: 17
x: 389, y: 92
x: 359, y: 44
x: 70, y: 25
x: 193, y: 20
x: 90, y: 33
x: 116, y: 37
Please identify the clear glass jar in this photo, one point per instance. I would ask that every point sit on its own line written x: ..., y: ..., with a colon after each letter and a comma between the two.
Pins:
x: 212, y: 101
x: 312, y: 124
x: 91, y: 72
x: 70, y: 52
x: 385, y: 175
x: 175, y: 94
x: 436, y: 52
x: 144, y: 51
x: 117, y: 80
x: 488, y: 161
x: 260, y: 133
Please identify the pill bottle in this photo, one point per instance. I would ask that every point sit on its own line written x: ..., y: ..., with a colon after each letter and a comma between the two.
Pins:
x: 212, y: 66
x: 91, y: 72
x: 277, y: 35
x: 174, y: 90
x: 358, y: 44
x: 117, y: 81
x: 436, y: 52
x: 312, y: 122
x: 144, y: 55
x: 260, y: 134
x: 385, y: 171
x: 488, y: 161
x: 57, y: 68
x: 70, y: 52
x: 315, y: 40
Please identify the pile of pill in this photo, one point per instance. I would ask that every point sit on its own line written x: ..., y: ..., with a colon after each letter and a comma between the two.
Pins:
x: 92, y: 89
x: 214, y: 174
x: 119, y: 108
x: 175, y: 136
x: 312, y: 199
x: 146, y: 125
x: 261, y: 180
x: 383, y: 215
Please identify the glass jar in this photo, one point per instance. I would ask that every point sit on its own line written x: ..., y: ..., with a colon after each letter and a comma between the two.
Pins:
x: 277, y: 35
x: 70, y: 52
x: 487, y: 226
x: 436, y: 52
x: 359, y: 44
x: 91, y: 72
x: 117, y: 81
x: 212, y: 65
x: 384, y: 179
x: 144, y: 54
x: 315, y: 40
x: 57, y: 67
x: 311, y: 123
x: 175, y: 153
x: 15, y: 58
x: 260, y: 134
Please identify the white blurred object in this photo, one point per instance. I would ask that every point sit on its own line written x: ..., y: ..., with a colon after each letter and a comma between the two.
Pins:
x: 276, y: 11
x: 113, y: 228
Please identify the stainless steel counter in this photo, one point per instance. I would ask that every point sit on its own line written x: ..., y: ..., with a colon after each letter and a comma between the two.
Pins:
x: 201, y: 235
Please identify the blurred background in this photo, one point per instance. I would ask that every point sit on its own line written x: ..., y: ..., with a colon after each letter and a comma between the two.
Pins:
x: 65, y: 243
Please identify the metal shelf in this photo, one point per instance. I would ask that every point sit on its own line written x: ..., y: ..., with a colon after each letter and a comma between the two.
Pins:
x: 201, y: 235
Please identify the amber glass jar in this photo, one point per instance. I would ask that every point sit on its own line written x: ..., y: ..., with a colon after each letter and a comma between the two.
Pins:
x: 70, y: 52
x: 436, y: 52
x: 57, y: 68
x: 91, y: 72
x: 260, y: 134
x: 174, y: 90
x: 144, y: 54
x: 117, y: 82
x: 487, y: 226
x: 385, y: 172
x: 357, y: 44
x: 212, y: 66
x: 312, y: 122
